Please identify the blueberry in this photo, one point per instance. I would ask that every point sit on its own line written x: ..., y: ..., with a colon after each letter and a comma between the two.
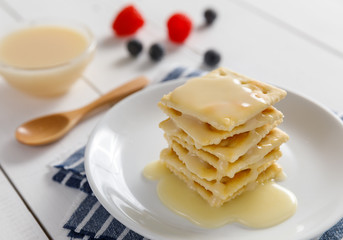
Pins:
x: 134, y: 47
x: 156, y: 52
x: 211, y: 58
x: 210, y: 15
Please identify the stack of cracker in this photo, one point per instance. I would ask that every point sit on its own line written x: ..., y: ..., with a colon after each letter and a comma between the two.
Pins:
x: 222, y: 134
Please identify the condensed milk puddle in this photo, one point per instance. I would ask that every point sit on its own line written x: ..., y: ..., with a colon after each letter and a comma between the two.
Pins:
x: 267, y: 205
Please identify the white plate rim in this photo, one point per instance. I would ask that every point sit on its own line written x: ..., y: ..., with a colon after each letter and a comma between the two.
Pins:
x: 139, y: 229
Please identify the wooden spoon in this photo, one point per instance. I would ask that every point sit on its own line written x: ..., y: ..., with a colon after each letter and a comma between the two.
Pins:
x: 52, y: 127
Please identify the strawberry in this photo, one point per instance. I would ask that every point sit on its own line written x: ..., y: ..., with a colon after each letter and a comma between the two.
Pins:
x: 179, y: 27
x: 128, y: 21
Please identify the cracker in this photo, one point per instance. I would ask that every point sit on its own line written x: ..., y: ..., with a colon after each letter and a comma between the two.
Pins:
x: 223, y: 98
x: 201, y: 163
x: 228, y: 150
x: 219, y: 192
x: 204, y: 134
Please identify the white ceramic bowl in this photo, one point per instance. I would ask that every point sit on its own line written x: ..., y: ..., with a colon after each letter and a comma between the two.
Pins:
x: 54, y: 80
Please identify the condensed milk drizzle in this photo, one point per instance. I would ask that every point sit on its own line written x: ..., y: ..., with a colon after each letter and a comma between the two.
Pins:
x: 269, y: 204
x: 233, y: 103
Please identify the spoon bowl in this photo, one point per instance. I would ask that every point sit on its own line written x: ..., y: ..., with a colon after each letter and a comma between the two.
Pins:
x: 43, y: 130
x: 50, y: 128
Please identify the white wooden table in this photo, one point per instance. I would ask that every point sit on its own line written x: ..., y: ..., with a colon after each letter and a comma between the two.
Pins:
x: 296, y: 44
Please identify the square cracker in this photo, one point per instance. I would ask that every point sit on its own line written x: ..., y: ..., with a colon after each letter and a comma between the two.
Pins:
x: 223, y: 98
x: 205, y: 166
x: 228, y: 150
x: 217, y: 193
x: 204, y: 134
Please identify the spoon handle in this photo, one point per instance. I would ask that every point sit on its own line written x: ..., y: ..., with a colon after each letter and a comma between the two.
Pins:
x: 118, y: 93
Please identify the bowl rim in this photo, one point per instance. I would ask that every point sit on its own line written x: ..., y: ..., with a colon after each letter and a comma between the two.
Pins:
x: 65, y: 23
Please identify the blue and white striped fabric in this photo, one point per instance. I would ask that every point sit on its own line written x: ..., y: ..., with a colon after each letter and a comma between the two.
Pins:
x: 91, y: 221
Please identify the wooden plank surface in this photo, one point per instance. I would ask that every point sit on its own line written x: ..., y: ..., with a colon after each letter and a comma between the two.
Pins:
x: 29, y: 167
x: 262, y: 49
x: 112, y: 65
x: 249, y: 43
x: 316, y: 20
x: 16, y: 221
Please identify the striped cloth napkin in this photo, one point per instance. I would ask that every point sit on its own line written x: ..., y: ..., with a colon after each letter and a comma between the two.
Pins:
x: 90, y: 220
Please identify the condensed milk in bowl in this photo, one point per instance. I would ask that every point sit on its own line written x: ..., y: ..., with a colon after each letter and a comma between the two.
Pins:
x: 45, y: 58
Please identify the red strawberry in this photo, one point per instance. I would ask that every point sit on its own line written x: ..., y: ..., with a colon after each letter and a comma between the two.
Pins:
x: 179, y: 27
x: 128, y: 21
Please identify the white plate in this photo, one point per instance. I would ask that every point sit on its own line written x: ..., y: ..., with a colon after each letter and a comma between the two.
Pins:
x: 128, y: 138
